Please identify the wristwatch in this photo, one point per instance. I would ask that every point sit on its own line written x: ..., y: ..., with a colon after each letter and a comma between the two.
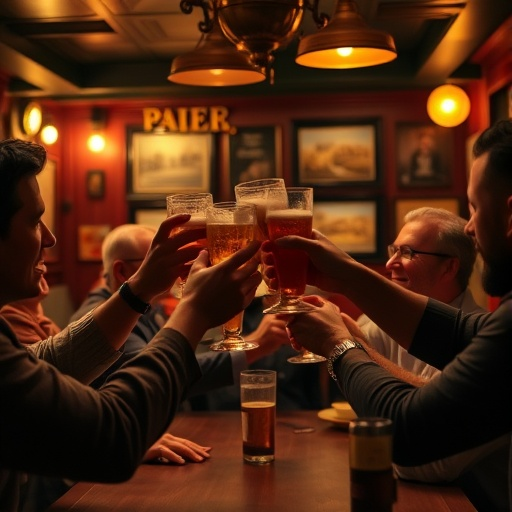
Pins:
x: 132, y: 300
x: 338, y: 351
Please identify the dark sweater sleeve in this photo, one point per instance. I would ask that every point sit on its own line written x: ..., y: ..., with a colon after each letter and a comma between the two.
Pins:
x: 466, y: 405
x: 51, y: 424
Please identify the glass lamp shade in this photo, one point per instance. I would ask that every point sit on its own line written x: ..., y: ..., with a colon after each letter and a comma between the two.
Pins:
x: 215, y: 62
x: 448, y: 105
x: 346, y: 42
x: 260, y: 26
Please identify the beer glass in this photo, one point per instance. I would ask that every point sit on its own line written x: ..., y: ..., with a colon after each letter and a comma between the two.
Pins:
x: 291, y: 265
x: 196, y: 205
x: 258, y: 405
x: 257, y: 192
x: 230, y: 227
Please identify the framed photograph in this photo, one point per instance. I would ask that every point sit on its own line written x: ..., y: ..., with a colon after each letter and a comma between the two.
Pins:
x: 149, y: 213
x: 352, y: 225
x: 95, y: 184
x: 424, y: 155
x: 164, y: 163
x: 402, y: 206
x: 90, y: 238
x: 336, y: 153
x: 254, y: 153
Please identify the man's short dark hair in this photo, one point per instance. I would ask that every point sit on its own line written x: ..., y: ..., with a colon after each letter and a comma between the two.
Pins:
x: 18, y: 159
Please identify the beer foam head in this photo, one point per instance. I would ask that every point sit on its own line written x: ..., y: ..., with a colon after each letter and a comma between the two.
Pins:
x: 289, y: 214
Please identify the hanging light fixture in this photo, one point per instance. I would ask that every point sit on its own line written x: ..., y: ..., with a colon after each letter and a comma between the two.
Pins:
x: 260, y: 27
x: 215, y: 62
x: 346, y: 42
x: 448, y: 105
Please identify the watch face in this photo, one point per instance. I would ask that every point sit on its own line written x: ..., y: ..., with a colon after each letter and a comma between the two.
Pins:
x: 32, y: 118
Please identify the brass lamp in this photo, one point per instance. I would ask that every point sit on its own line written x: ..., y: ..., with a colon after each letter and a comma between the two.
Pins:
x: 260, y: 26
x: 215, y: 62
x: 346, y: 42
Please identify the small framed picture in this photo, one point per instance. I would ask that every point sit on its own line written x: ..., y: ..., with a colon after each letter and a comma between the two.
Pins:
x: 254, y: 153
x: 164, y: 163
x: 337, y: 153
x: 424, y: 155
x: 95, y: 184
x: 90, y: 238
x: 149, y: 213
x: 352, y: 225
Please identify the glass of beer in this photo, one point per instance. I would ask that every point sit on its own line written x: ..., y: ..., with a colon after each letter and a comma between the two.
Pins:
x: 291, y: 265
x: 258, y: 405
x: 257, y: 192
x: 196, y: 205
x: 230, y: 227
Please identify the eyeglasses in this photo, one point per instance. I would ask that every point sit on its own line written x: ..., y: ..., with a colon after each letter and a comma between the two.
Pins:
x: 404, y: 251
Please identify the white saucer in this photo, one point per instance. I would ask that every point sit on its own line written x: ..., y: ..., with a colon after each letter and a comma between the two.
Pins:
x: 332, y: 416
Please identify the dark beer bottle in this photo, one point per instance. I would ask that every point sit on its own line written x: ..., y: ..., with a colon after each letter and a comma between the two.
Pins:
x: 372, y: 483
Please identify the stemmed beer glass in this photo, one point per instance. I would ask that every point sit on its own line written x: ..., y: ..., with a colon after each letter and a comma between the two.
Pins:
x: 230, y: 227
x: 290, y: 264
x: 196, y: 205
x: 257, y: 192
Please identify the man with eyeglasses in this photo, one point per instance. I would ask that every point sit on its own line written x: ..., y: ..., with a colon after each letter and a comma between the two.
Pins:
x: 433, y: 256
x: 468, y: 402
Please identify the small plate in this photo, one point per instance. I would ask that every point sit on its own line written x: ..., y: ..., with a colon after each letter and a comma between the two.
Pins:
x: 332, y: 416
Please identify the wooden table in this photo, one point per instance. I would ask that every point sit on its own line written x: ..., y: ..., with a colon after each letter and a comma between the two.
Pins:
x: 310, y: 473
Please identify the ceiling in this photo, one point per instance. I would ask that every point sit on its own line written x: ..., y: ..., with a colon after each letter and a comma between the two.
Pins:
x: 124, y: 48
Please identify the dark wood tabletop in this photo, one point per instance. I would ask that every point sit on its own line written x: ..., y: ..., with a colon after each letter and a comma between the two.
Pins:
x: 310, y: 473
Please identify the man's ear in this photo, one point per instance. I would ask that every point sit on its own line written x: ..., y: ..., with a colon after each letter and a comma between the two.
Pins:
x: 120, y: 272
x: 452, y: 268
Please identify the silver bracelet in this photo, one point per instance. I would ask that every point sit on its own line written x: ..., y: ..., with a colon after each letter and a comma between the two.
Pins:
x: 340, y: 349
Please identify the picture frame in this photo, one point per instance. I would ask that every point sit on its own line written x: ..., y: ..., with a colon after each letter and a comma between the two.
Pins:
x: 402, y: 206
x: 95, y: 184
x: 330, y: 153
x: 90, y: 238
x: 149, y: 213
x: 161, y: 163
x: 352, y: 225
x: 424, y: 154
x: 254, y: 152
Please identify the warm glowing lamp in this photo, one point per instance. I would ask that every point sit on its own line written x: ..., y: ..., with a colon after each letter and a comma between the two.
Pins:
x: 96, y: 143
x: 49, y: 134
x: 448, y: 106
x: 32, y: 118
x: 346, y: 42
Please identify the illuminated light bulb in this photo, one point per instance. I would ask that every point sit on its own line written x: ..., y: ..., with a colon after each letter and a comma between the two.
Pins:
x: 49, y: 134
x: 448, y: 106
x: 96, y: 143
x: 344, y: 52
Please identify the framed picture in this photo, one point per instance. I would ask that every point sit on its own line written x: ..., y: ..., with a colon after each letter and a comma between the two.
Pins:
x: 402, y: 206
x: 352, y: 225
x: 149, y: 213
x: 164, y: 163
x: 95, y: 184
x: 335, y: 153
x: 90, y: 238
x: 254, y: 153
x: 424, y: 155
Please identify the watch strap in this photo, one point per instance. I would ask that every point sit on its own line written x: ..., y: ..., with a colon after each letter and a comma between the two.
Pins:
x: 132, y: 300
x: 338, y: 351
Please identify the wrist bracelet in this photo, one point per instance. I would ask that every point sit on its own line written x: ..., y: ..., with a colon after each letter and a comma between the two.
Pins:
x: 338, y: 351
x: 132, y: 300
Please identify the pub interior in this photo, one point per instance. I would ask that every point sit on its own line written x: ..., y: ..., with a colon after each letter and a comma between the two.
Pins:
x: 103, y: 67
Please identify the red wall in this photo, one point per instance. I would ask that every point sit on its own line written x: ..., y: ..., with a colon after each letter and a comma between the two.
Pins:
x: 74, y: 159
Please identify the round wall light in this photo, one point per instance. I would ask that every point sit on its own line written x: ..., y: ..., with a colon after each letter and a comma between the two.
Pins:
x: 32, y: 118
x: 448, y: 105
x: 49, y: 134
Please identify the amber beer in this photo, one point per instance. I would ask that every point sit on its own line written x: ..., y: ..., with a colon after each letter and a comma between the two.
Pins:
x: 196, y: 221
x: 291, y: 264
x: 258, y: 407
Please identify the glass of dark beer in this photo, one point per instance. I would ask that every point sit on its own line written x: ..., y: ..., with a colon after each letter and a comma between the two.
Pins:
x: 230, y: 227
x: 258, y: 405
